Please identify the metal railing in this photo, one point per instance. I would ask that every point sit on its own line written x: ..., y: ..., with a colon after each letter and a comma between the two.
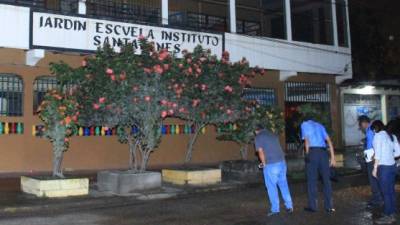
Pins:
x: 127, y: 11
x: 64, y: 6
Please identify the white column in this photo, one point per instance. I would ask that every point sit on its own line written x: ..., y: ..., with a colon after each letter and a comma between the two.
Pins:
x: 82, y: 7
x: 232, y: 15
x: 334, y: 24
x: 384, y: 107
x: 348, y: 23
x: 164, y: 12
x: 288, y: 20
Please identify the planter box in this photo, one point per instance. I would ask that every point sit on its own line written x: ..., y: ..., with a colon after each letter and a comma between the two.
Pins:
x: 52, y: 188
x: 125, y: 182
x: 298, y: 164
x: 244, y: 170
x: 192, y: 176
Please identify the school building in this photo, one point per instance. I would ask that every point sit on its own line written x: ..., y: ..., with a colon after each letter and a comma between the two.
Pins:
x: 304, y: 45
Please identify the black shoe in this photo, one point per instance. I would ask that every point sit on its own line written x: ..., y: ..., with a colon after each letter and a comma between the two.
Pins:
x: 308, y: 209
x: 289, y: 210
x: 331, y: 210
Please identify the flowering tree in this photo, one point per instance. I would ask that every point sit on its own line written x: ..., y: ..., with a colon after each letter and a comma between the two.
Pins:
x: 59, y: 114
x: 209, y: 90
x: 269, y: 117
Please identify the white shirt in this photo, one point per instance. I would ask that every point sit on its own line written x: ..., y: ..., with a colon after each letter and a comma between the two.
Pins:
x: 385, y: 148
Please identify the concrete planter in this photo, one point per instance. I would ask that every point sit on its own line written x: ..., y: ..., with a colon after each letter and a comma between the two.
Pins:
x: 53, y: 188
x: 244, y: 170
x: 298, y: 164
x: 125, y: 182
x: 200, y: 177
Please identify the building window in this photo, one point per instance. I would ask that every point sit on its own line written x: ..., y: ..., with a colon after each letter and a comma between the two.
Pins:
x: 261, y: 17
x: 341, y: 18
x: 136, y: 11
x: 65, y: 6
x: 11, y: 95
x: 199, y: 15
x: 312, y: 21
x: 264, y: 96
x: 40, y: 87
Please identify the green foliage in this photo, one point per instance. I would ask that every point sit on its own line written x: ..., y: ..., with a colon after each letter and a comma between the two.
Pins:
x: 316, y: 113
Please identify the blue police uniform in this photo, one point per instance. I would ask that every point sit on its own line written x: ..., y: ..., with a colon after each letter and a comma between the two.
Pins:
x: 317, y: 163
x: 376, y: 198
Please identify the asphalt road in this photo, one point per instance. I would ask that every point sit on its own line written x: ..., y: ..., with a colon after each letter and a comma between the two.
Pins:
x: 239, y: 207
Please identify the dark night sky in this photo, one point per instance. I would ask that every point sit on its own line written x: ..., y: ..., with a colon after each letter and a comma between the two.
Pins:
x: 375, y: 34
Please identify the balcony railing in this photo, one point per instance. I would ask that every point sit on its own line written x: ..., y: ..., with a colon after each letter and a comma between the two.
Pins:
x: 64, y: 6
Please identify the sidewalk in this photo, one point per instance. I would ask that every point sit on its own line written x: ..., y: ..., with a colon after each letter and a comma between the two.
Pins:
x: 13, y: 204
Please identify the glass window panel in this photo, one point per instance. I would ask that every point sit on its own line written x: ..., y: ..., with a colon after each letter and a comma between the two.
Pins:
x: 40, y: 86
x: 341, y: 18
x: 312, y: 21
x: 11, y: 95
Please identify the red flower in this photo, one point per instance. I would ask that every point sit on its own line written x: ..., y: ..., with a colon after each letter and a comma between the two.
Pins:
x: 113, y: 78
x: 109, y: 71
x: 75, y: 118
x: 164, y: 114
x: 190, y: 70
x: 96, y: 106
x: 147, y: 98
x: 166, y: 66
x: 102, y: 100
x: 180, y: 65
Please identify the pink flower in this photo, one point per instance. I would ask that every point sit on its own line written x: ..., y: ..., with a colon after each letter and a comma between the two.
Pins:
x: 181, y: 110
x: 174, y: 105
x: 147, y: 98
x: 158, y: 69
x: 135, y: 88
x: 147, y: 70
x: 113, y: 78
x: 84, y: 63
x: 96, y: 106
x: 180, y: 65
x: 141, y: 37
x: 228, y: 89
x: 228, y: 111
x: 195, y: 102
x: 109, y: 71
x: 164, y: 102
x: 164, y: 114
x: 166, y: 66
x: 122, y: 76
x: 163, y: 55
x: 198, y: 71
x: 102, y: 100
x: 190, y: 70
x: 203, y: 87
x: 171, y: 112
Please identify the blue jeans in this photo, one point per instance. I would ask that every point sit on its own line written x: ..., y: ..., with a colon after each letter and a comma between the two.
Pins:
x: 274, y: 177
x: 376, y: 197
x: 387, y: 182
x: 318, y: 164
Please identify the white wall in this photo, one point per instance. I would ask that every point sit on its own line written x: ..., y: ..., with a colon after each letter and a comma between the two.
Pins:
x: 289, y: 56
x: 14, y: 27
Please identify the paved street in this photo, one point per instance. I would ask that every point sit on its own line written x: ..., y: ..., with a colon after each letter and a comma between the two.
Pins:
x: 239, y: 207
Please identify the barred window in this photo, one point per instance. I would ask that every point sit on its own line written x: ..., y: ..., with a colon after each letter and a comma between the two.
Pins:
x: 11, y: 95
x: 40, y: 86
x: 264, y: 96
x: 307, y: 92
x: 65, y: 6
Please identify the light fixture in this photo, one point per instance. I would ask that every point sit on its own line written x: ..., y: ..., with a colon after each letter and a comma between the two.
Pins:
x: 367, y: 90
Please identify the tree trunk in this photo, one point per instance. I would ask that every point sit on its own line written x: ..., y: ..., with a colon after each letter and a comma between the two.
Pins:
x: 192, y: 141
x: 133, y: 160
x: 145, y: 159
x: 58, y: 154
x: 244, y: 151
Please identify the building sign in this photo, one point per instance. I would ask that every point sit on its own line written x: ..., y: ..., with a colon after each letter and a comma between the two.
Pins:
x: 54, y: 31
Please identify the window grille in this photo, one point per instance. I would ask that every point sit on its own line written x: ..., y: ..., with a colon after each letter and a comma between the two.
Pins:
x: 40, y: 86
x: 264, y: 96
x: 11, y: 95
x: 307, y: 92
x: 65, y: 6
x: 137, y: 11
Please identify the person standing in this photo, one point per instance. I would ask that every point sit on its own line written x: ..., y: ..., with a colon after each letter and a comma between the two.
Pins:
x: 376, y: 198
x: 274, y: 167
x: 386, y: 148
x: 317, y: 163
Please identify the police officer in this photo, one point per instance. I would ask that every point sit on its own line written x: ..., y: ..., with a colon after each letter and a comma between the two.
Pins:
x: 317, y: 163
x: 365, y: 125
